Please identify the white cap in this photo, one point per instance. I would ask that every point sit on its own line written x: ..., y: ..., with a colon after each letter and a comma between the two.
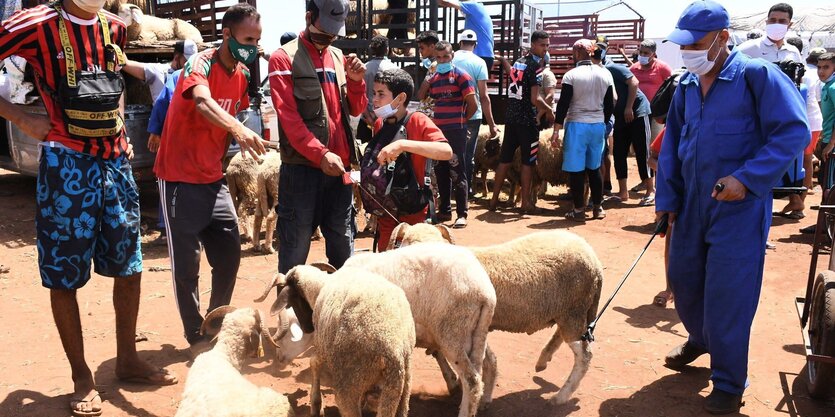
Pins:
x: 189, y: 48
x: 468, y: 35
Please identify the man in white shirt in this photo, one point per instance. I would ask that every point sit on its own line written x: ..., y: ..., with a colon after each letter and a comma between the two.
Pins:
x: 773, y: 47
x: 155, y: 74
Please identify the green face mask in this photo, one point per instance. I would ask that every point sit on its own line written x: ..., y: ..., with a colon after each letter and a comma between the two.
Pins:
x: 245, y: 54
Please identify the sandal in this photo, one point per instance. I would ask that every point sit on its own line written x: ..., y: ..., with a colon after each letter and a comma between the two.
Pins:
x: 598, y: 213
x: 577, y: 216
x: 647, y: 201
x: 460, y: 223
x: 74, y: 406
x: 663, y: 298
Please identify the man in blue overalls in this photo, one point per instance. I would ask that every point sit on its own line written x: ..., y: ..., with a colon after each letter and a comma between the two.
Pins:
x: 734, y: 128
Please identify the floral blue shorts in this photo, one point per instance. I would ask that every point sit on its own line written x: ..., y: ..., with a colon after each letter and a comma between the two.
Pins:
x: 88, y: 210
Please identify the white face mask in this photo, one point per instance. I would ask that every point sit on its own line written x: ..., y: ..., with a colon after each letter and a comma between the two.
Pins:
x: 776, y: 31
x: 89, y: 6
x: 643, y: 60
x: 697, y: 62
x: 384, y: 112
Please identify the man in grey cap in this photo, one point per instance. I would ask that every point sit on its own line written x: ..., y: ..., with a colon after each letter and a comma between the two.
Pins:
x: 315, y: 88
x: 725, y: 147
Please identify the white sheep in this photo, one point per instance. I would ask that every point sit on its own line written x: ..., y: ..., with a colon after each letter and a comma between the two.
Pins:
x: 548, y: 169
x: 215, y: 386
x: 541, y: 279
x: 452, y: 303
x: 364, y: 336
x: 241, y: 175
x: 148, y: 28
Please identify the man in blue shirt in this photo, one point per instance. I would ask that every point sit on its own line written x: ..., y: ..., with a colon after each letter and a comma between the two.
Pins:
x: 479, y: 21
x: 725, y: 147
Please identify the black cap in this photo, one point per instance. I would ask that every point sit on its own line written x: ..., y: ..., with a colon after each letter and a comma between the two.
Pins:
x: 287, y: 37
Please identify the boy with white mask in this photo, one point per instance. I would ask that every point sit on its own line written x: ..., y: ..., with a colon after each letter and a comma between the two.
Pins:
x: 773, y: 47
x: 416, y: 134
x: 725, y: 147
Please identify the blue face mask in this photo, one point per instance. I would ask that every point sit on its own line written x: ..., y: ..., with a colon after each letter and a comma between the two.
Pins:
x: 602, y: 55
x: 426, y: 62
x: 444, y: 68
x: 831, y: 77
x: 536, y: 59
x: 547, y: 59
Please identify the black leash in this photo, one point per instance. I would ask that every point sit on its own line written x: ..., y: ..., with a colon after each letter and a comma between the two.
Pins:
x: 661, y: 227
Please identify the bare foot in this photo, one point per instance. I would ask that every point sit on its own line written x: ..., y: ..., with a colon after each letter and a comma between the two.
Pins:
x: 141, y: 372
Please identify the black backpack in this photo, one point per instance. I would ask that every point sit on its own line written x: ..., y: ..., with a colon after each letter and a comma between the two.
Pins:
x: 392, y: 187
x: 663, y: 98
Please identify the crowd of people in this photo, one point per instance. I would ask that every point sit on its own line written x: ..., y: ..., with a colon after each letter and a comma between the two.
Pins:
x: 735, y: 126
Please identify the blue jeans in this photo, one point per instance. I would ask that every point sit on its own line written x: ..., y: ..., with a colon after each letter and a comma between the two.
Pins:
x: 308, y: 198
x: 469, y: 151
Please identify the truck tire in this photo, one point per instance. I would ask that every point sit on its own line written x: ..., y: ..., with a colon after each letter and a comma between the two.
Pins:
x: 822, y: 335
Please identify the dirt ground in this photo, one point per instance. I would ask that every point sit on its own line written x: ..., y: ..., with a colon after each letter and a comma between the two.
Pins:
x: 627, y: 376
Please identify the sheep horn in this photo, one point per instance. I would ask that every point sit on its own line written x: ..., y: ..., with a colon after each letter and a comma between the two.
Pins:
x: 211, y: 324
x: 397, y: 236
x: 324, y: 266
x: 283, y: 324
x: 446, y: 233
x: 278, y: 281
x: 263, y: 329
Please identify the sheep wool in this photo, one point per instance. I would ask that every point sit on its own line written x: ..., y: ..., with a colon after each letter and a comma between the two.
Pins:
x: 541, y: 279
x: 452, y: 302
x: 215, y: 386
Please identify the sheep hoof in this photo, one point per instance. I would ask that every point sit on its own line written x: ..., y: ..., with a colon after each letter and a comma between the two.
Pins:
x: 267, y: 249
x: 560, y: 398
x: 540, y: 367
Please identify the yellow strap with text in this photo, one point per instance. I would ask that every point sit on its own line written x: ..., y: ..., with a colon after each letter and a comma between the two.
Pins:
x: 96, y: 133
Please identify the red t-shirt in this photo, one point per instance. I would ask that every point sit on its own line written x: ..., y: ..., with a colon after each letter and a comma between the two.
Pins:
x: 655, y: 146
x: 421, y: 128
x: 33, y: 34
x: 281, y: 90
x: 651, y: 78
x: 192, y: 148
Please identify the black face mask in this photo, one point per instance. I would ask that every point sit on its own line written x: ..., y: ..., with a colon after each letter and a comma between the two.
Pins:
x: 320, y: 38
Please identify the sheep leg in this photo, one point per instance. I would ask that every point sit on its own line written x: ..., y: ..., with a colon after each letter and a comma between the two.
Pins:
x: 548, y: 351
x: 256, y: 230
x: 268, y: 239
x: 391, y: 397
x: 403, y: 407
x: 484, y: 183
x: 582, y: 357
x: 471, y: 384
x: 315, y: 393
x: 490, y: 372
x: 452, y: 383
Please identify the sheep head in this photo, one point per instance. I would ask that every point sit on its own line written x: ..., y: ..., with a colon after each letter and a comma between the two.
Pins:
x: 130, y: 14
x: 291, y: 294
x: 492, y: 147
x: 245, y: 323
x: 405, y: 234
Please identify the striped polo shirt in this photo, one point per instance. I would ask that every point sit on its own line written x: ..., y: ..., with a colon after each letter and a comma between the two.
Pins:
x: 448, y: 90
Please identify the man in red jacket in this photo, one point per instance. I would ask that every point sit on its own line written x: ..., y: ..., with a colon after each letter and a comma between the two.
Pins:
x: 315, y: 88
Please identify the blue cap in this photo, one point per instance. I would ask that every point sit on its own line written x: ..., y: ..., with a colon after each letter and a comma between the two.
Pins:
x: 699, y: 19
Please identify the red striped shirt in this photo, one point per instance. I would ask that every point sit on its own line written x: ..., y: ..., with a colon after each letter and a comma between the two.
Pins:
x: 449, y: 90
x: 33, y: 35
